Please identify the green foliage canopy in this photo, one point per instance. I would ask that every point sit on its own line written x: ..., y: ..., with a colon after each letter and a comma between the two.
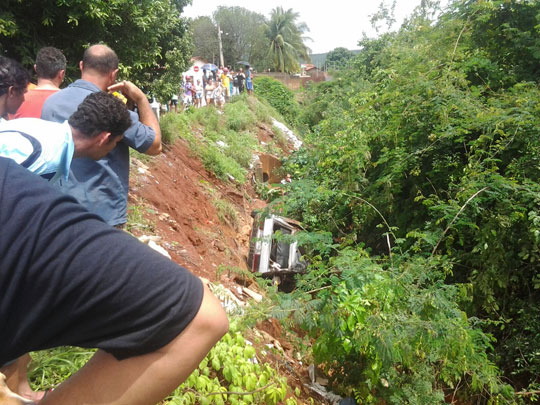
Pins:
x: 149, y: 36
x: 285, y: 38
x: 242, y: 34
x: 338, y: 58
x: 423, y: 161
x: 279, y: 97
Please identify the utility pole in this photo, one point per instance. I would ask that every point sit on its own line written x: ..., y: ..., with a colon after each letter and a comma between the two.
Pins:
x: 221, y: 63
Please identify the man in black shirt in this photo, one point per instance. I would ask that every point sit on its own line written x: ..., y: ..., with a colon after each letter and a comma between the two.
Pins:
x: 67, y: 278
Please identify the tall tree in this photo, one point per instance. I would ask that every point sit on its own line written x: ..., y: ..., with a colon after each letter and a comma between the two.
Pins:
x: 241, y: 29
x: 286, y: 40
x: 150, y: 37
x: 338, y: 58
x: 205, y: 39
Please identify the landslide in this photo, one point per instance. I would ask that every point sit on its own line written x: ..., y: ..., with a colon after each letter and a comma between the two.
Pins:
x: 180, y: 204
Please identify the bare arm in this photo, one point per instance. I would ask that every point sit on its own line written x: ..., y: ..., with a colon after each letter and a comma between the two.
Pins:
x: 146, y: 115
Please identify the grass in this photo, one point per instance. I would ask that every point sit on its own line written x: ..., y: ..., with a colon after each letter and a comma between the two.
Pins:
x: 234, y: 129
x: 238, y: 116
x: 222, y: 165
x: 136, y: 220
x: 226, y: 212
x: 173, y: 127
x: 50, y: 367
x: 139, y: 156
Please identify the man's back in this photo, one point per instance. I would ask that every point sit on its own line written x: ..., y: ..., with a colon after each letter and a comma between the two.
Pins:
x: 33, y: 103
x: 45, y: 148
x: 101, y: 186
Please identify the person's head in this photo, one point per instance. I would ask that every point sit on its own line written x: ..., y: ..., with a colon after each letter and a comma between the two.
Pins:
x: 50, y: 64
x: 100, y: 61
x: 14, y: 80
x: 99, y: 122
x: 240, y: 70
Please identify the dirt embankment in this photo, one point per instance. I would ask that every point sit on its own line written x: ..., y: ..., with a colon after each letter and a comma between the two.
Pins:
x: 182, y: 203
x: 174, y: 198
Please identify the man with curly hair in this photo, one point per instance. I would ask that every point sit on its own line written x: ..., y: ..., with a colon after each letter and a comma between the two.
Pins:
x: 47, y: 148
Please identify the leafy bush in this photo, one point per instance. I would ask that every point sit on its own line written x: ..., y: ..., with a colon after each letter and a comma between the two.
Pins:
x: 231, y: 368
x: 397, y: 333
x: 279, y: 97
x: 426, y: 156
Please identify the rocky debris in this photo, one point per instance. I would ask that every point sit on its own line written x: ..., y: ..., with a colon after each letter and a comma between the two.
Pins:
x: 231, y: 304
x: 290, y: 134
x: 256, y: 296
x: 151, y: 241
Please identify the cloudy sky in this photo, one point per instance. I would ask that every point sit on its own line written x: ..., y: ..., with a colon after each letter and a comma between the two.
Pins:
x: 332, y: 23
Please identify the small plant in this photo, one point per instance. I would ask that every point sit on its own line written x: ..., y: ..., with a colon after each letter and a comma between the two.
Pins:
x: 136, y: 220
x: 232, y: 374
x: 221, y: 165
x: 50, y: 367
x: 226, y: 212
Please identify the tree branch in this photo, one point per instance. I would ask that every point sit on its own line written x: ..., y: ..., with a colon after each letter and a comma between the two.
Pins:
x: 455, y: 218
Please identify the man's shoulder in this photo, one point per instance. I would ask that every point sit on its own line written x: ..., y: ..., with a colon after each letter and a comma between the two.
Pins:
x: 35, y: 127
x: 60, y: 105
x: 75, y: 89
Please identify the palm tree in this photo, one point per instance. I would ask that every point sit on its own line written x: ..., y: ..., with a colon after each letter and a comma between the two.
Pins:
x: 286, y: 40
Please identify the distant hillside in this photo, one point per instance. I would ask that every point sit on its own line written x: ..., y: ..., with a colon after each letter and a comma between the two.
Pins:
x: 319, y: 59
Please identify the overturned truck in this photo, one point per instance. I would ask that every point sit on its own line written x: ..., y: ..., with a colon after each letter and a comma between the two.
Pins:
x: 278, y: 258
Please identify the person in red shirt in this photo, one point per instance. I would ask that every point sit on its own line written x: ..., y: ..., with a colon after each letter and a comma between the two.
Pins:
x: 50, y: 68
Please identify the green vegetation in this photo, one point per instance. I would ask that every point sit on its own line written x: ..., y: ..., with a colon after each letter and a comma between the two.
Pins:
x: 50, y: 367
x: 338, y: 58
x: 173, y: 127
x: 419, y: 187
x: 230, y: 374
x: 225, y: 150
x: 280, y: 98
x: 150, y: 36
x: 137, y: 221
x: 276, y: 43
x: 286, y: 40
x: 224, y: 140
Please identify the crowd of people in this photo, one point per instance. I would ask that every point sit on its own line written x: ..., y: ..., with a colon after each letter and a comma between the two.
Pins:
x: 215, y: 87
x: 69, y: 273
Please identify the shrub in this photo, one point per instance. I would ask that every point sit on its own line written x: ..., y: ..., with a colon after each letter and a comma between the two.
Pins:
x: 279, y: 97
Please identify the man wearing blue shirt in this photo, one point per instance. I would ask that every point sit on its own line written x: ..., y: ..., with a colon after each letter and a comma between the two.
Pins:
x: 47, y: 148
x: 102, y: 186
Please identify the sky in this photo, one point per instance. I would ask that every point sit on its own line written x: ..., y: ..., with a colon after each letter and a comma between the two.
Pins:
x: 332, y: 24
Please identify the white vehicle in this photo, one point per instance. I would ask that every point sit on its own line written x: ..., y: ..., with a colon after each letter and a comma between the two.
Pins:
x: 272, y: 257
